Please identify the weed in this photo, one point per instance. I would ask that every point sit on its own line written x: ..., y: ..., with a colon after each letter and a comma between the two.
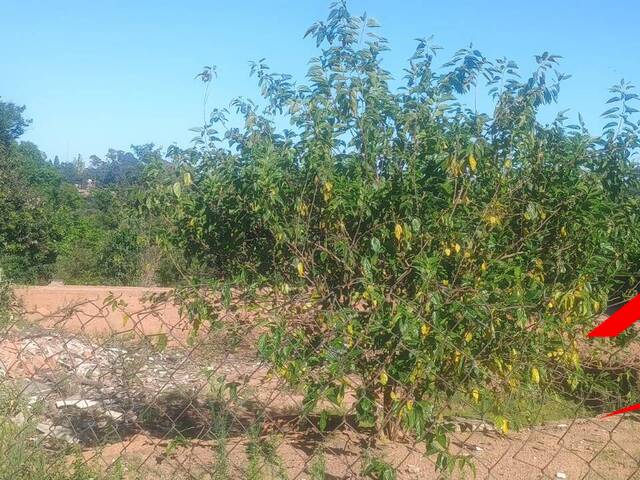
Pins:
x: 264, y: 461
x: 378, y: 469
x: 318, y: 466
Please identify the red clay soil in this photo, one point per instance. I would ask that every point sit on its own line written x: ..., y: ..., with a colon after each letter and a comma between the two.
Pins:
x: 82, y: 309
x: 585, y: 449
x: 589, y: 450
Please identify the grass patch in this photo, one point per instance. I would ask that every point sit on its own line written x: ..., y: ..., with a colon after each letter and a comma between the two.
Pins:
x: 523, y: 408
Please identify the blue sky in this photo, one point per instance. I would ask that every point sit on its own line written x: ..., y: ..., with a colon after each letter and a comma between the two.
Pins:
x: 113, y: 73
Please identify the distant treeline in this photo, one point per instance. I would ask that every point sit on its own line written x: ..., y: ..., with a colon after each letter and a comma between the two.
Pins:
x: 51, y: 231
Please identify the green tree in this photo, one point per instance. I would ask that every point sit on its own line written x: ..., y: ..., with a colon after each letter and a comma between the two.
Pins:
x: 442, y: 251
x: 28, y: 205
x: 12, y: 122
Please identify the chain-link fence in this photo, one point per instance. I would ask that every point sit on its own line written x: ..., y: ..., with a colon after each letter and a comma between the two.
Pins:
x: 101, y: 382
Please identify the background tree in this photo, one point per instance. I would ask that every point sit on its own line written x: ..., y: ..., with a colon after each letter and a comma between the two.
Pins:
x: 50, y: 231
x: 12, y: 122
x: 30, y: 197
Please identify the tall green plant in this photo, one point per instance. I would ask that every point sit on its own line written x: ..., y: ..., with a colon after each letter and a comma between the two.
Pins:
x: 443, y: 250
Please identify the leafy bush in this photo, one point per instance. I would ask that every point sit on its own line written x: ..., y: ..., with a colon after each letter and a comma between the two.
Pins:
x: 29, y: 230
x: 49, y: 230
x: 443, y: 250
x: 7, y: 303
x: 107, y: 241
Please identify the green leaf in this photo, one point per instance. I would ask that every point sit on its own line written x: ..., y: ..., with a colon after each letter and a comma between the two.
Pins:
x: 375, y: 245
x: 610, y: 111
x: 324, y: 418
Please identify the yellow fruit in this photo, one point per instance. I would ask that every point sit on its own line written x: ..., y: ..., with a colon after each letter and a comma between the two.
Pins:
x: 575, y: 358
x: 425, y: 329
x: 535, y: 375
x: 328, y: 186
x: 447, y: 251
x: 484, y: 267
x: 398, y: 231
x: 475, y: 394
x: 473, y: 163
x: 395, y: 396
x: 467, y: 254
x: 493, y: 220
x: 550, y: 305
x: 384, y: 378
x: 504, y: 425
x: 457, y: 248
x: 563, y: 232
x: 455, y: 168
x: 468, y: 337
x: 300, y: 268
x: 303, y: 209
x: 409, y: 405
x: 350, y: 329
x: 457, y: 356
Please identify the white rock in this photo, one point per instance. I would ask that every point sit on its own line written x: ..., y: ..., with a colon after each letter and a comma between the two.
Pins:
x: 561, y: 475
x: 57, y: 431
x: 113, y: 414
x: 81, y: 403
x: 19, y: 419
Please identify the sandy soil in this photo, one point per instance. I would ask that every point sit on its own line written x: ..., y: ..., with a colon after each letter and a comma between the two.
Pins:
x: 585, y: 449
x: 596, y: 449
x: 82, y: 309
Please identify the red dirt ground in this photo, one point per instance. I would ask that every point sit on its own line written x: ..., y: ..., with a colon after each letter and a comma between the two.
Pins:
x: 82, y: 309
x: 585, y: 449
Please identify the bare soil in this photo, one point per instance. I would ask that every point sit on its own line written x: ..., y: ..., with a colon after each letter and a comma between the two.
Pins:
x: 51, y: 306
x: 589, y: 448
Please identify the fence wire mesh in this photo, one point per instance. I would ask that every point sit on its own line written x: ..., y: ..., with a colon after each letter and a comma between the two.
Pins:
x: 101, y: 382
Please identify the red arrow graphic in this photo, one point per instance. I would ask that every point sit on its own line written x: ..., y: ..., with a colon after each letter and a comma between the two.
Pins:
x: 624, y: 410
x: 619, y: 321
x: 614, y: 326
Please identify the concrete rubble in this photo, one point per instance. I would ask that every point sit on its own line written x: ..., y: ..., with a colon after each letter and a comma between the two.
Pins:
x: 85, y: 393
